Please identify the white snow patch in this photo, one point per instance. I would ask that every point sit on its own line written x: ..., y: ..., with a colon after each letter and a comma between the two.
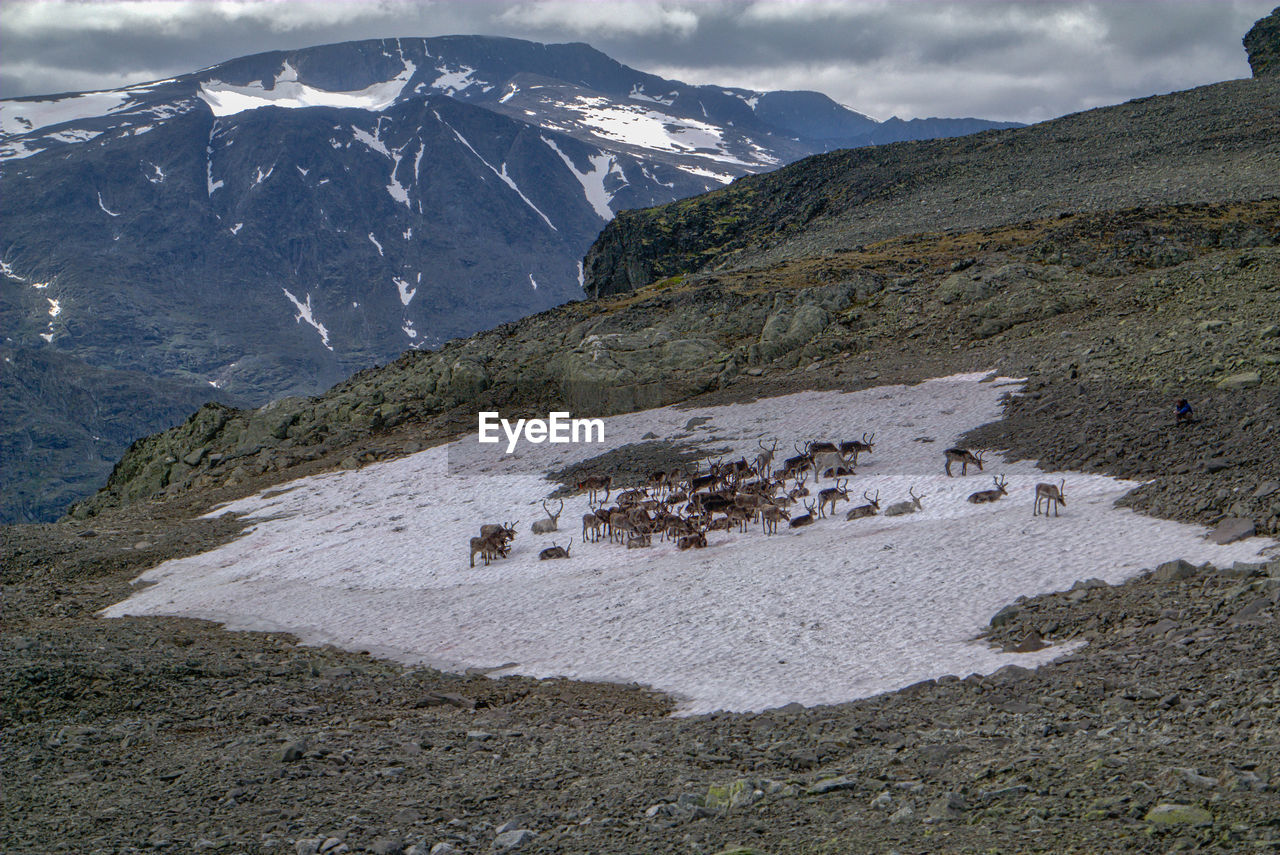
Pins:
x: 47, y: 337
x: 453, y: 81
x: 7, y: 270
x: 637, y: 94
x: 303, y: 171
x: 23, y: 117
x: 533, y: 282
x: 581, y: 276
x: 406, y: 292
x: 209, y: 182
x: 305, y: 314
x: 263, y: 176
x: 157, y: 174
x: 372, y: 140
x: 722, y: 177
x: 103, y: 206
x: 409, y: 330
x: 639, y: 126
x: 374, y: 241
x: 602, y: 166
x: 235, y: 230
x: 74, y: 135
x: 408, y: 233
x: 511, y: 93
x: 826, y: 614
x: 55, y: 307
x: 225, y: 99
x: 506, y: 179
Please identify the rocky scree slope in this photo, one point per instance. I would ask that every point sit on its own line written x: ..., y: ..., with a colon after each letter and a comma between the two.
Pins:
x: 1112, y: 314
x: 1214, y: 143
x: 1159, y: 735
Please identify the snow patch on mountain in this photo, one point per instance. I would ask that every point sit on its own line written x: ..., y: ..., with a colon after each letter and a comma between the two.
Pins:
x: 23, y: 117
x: 647, y: 128
x: 825, y: 614
x: 453, y: 80
x: 104, y: 207
x: 305, y: 314
x: 225, y: 99
x: 602, y: 166
x: 374, y: 241
x: 406, y: 292
x: 637, y: 93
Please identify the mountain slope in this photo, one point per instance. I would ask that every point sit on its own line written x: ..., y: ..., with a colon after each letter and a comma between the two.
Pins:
x: 267, y: 226
x: 1215, y: 143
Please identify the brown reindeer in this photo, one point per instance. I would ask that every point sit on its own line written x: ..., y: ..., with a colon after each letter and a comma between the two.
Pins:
x: 1052, y: 495
x: 554, y: 551
x: 855, y: 447
x: 964, y: 457
x: 867, y: 510
x: 489, y: 548
x: 983, y: 496
x: 591, y: 525
x: 593, y: 484
x: 804, y: 519
x: 831, y: 495
x: 771, y: 516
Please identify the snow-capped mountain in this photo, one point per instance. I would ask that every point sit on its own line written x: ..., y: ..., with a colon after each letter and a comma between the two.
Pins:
x: 269, y: 225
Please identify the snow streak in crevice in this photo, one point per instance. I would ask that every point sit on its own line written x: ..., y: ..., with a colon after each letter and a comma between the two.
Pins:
x: 306, y: 314
x: 506, y: 179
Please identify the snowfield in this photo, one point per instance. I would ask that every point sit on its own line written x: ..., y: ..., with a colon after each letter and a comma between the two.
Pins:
x: 376, y: 559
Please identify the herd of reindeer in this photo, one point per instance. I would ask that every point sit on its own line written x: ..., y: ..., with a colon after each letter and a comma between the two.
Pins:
x: 681, y: 506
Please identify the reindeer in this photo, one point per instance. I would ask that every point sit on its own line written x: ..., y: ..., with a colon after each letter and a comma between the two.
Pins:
x: 593, y: 484
x: 897, y: 509
x: 771, y: 516
x: 793, y: 466
x: 983, y: 496
x: 800, y: 490
x: 831, y: 495
x: 856, y: 447
x: 696, y: 540
x: 640, y: 537
x: 1052, y: 496
x: 765, y: 458
x: 550, y: 524
x: 828, y: 461
x: 490, y: 548
x: 838, y: 472
x: 867, y: 510
x: 964, y: 457
x: 554, y: 551
x: 804, y: 519
x: 505, y: 532
x: 591, y: 524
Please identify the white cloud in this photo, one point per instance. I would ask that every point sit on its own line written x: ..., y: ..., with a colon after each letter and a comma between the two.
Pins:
x: 35, y: 18
x: 633, y: 17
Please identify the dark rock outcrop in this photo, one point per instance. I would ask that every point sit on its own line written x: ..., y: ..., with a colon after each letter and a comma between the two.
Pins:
x: 1262, y: 43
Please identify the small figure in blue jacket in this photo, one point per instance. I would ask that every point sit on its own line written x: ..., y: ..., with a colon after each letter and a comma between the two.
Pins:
x: 1183, y: 414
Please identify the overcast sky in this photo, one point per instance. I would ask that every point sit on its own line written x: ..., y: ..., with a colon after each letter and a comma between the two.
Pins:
x: 1022, y: 61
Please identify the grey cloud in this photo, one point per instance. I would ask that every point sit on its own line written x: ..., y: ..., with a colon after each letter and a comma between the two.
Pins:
x: 999, y: 60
